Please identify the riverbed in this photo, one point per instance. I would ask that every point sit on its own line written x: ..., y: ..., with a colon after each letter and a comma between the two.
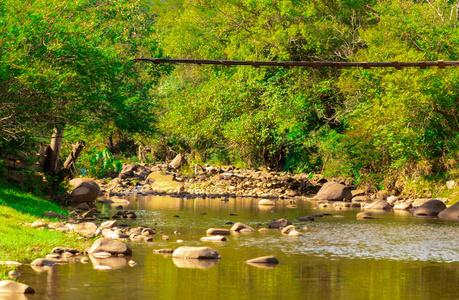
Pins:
x: 338, y: 257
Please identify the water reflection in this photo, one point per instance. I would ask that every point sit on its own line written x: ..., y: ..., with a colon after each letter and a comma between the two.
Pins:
x: 114, y: 262
x: 195, y: 263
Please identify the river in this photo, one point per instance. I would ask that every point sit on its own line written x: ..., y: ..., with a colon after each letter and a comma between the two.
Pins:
x: 338, y: 257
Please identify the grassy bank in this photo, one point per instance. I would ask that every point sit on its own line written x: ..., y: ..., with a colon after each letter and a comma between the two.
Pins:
x: 21, y: 243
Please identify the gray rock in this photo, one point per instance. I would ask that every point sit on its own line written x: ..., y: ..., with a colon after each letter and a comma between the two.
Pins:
x: 451, y: 213
x: 85, y: 228
x: 195, y: 252
x: 177, y: 162
x: 238, y: 226
x: 365, y: 216
x: 263, y: 260
x: 280, y: 223
x: 403, y: 205
x: 334, y: 191
x: 379, y: 205
x: 111, y: 246
x: 13, y: 287
x: 218, y: 231
x: 42, y: 262
x: 127, y: 171
x: 85, y: 190
x: 430, y: 208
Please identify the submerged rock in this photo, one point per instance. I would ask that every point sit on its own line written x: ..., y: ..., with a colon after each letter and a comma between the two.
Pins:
x: 218, y: 231
x: 365, y: 216
x: 263, y: 260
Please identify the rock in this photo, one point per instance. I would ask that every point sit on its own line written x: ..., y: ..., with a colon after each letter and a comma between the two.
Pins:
x: 218, y: 231
x: 195, y: 253
x: 392, y: 199
x: 306, y: 218
x: 52, y: 214
x: 127, y: 171
x: 266, y: 202
x: 177, y: 162
x: 164, y: 251
x: 85, y: 190
x: 365, y: 216
x: 357, y: 192
x: 403, y: 205
x: 130, y: 215
x: 263, y: 230
x: 430, y: 208
x: 287, y: 229
x: 85, y: 228
x: 451, y: 184
x: 238, y: 226
x: 61, y: 250
x: 215, y: 238
x: 451, y: 213
x: 42, y: 262
x: 361, y: 199
x: 13, y: 287
x: 13, y: 274
x: 109, y: 224
x: 280, y: 223
x: 111, y: 246
x: 263, y: 260
x: 420, y: 201
x: 164, y: 183
x: 334, y: 191
x: 111, y: 234
x: 379, y: 205
x: 39, y: 224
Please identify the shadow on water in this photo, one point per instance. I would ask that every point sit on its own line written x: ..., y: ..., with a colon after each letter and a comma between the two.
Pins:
x: 338, y: 257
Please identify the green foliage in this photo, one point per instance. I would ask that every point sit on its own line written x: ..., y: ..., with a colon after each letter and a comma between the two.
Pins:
x: 97, y: 163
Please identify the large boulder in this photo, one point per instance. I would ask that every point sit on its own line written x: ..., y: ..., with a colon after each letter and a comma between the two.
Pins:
x: 164, y: 182
x: 429, y: 209
x: 13, y: 287
x: 195, y: 252
x: 451, y: 213
x: 85, y: 190
x: 110, y: 246
x: 334, y: 191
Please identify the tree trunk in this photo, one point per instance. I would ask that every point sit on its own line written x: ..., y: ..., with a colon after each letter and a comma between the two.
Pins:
x: 54, y: 150
x: 72, y: 159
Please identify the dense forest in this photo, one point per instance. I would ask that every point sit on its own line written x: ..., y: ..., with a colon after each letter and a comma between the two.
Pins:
x: 67, y: 70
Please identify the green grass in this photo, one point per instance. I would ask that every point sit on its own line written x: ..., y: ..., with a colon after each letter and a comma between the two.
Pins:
x: 22, y: 243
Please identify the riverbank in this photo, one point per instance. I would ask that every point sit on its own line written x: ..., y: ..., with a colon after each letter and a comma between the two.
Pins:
x: 23, y: 243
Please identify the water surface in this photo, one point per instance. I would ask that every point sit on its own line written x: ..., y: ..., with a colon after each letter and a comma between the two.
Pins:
x: 338, y: 257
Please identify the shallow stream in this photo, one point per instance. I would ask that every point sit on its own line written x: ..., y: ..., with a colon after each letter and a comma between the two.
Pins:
x: 338, y: 257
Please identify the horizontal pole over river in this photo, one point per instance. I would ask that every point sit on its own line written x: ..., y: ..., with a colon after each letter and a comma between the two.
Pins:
x: 312, y: 64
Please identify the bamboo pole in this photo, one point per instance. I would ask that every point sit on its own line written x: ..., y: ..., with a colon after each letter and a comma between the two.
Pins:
x: 313, y: 64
